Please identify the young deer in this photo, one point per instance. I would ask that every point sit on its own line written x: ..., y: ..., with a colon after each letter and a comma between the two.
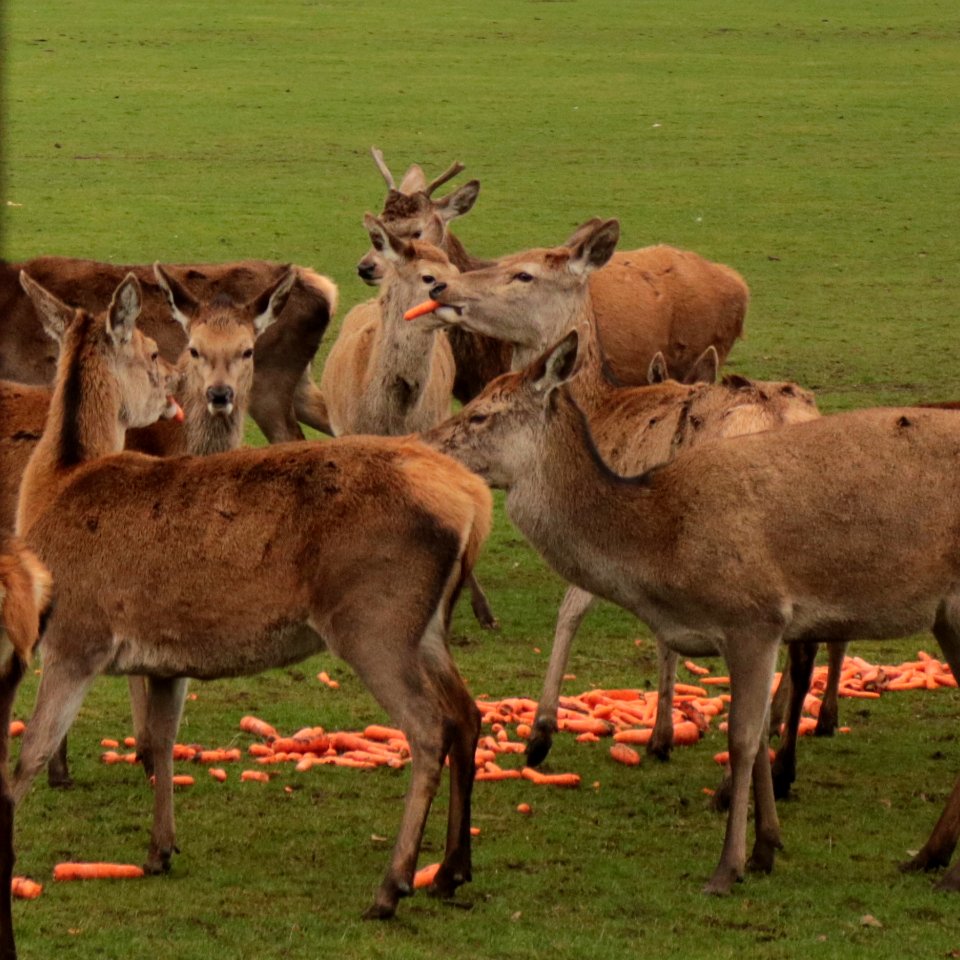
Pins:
x: 283, y: 390
x: 388, y: 377
x: 737, y: 547
x: 25, y: 591
x: 358, y: 544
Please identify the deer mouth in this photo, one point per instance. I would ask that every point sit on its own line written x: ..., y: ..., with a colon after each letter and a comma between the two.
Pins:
x: 220, y: 408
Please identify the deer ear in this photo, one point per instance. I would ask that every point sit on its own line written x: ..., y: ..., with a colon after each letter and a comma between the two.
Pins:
x: 706, y: 368
x: 657, y: 372
x: 391, y: 247
x: 414, y: 180
x: 270, y: 303
x: 557, y: 365
x: 124, y: 309
x: 55, y: 316
x: 594, y: 244
x: 183, y: 305
x: 459, y: 202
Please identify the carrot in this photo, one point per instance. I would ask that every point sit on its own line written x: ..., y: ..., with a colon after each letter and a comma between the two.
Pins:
x: 298, y: 745
x: 260, y: 750
x: 624, y: 754
x: 585, y: 725
x: 218, y: 773
x: 129, y: 742
x: 217, y: 756
x: 695, y: 668
x: 96, y: 871
x: 17, y: 727
x: 352, y: 741
x: 524, y: 808
x: 685, y: 733
x: 588, y: 738
x: 560, y: 780
x: 385, y: 734
x: 24, y: 889
x: 424, y: 876
x: 113, y: 744
x: 257, y: 775
x: 474, y: 831
x: 258, y: 728
x: 634, y: 736
x: 688, y: 689
x: 182, y: 780
x: 183, y: 752
x: 428, y: 306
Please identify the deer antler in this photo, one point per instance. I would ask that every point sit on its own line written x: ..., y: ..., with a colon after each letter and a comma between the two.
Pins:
x: 382, y: 167
x: 444, y: 177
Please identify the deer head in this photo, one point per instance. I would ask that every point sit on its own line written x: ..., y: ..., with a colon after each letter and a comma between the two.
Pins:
x: 413, y: 214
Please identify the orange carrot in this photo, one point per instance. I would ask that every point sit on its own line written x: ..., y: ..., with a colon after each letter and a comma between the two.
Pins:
x: 524, y: 808
x: 25, y: 889
x: 560, y: 780
x: 258, y: 728
x: 17, y: 727
x: 129, y: 742
x: 257, y: 775
x: 685, y: 733
x: 183, y: 752
x: 474, y: 831
x: 695, y: 668
x: 218, y: 773
x: 383, y: 734
x: 689, y: 689
x: 633, y: 735
x: 182, y: 780
x: 523, y: 730
x: 624, y: 754
x: 585, y: 725
x: 96, y: 871
x: 588, y: 738
x: 424, y: 876
x: 113, y: 744
x: 428, y: 306
x: 260, y: 750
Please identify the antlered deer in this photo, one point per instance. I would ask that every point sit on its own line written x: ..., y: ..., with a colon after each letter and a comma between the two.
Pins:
x: 25, y: 589
x: 360, y: 544
x: 732, y: 549
x: 283, y: 391
x: 655, y: 298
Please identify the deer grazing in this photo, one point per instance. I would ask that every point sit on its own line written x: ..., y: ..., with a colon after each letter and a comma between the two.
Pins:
x: 388, y: 377
x: 359, y: 544
x: 783, y: 536
x: 283, y: 391
x: 653, y: 299
x: 25, y: 591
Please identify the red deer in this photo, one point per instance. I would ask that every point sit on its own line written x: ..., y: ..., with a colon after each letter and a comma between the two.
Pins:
x: 359, y: 544
x: 25, y: 590
x: 654, y: 298
x: 283, y: 391
x: 736, y: 547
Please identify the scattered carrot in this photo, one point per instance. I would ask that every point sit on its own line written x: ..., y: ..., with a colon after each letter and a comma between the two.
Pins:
x: 524, y: 808
x: 258, y: 728
x: 427, y: 306
x: 129, y: 742
x: 218, y: 773
x: 624, y: 754
x: 383, y: 734
x: 696, y: 669
x: 25, y: 889
x: 257, y: 775
x: 425, y: 876
x: 112, y: 744
x: 182, y: 780
x: 96, y: 871
x: 17, y: 727
x: 474, y: 831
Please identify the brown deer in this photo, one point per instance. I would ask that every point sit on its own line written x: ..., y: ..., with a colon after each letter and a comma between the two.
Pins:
x: 736, y: 547
x: 360, y: 544
x: 388, y: 377
x: 283, y: 391
x: 654, y: 298
x: 25, y: 591
x: 637, y: 428
x: 212, y: 380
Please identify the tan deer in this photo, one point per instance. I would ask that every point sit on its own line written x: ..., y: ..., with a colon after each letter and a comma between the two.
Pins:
x: 388, y: 377
x: 736, y: 547
x: 637, y: 428
x: 25, y: 592
x: 283, y: 391
x: 359, y: 544
x: 655, y: 298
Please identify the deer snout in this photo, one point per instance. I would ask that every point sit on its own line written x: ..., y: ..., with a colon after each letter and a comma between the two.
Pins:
x: 220, y: 398
x: 369, y: 271
x: 437, y: 288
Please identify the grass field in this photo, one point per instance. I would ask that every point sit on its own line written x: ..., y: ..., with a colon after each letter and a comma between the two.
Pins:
x: 813, y: 146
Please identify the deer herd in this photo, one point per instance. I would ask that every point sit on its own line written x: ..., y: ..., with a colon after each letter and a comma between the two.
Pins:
x: 138, y: 536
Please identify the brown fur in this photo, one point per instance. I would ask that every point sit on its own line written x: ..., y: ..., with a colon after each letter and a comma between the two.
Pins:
x: 739, y: 546
x: 283, y: 391
x: 359, y: 544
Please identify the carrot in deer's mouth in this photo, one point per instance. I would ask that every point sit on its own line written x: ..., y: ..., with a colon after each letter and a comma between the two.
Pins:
x: 174, y: 411
x: 428, y: 306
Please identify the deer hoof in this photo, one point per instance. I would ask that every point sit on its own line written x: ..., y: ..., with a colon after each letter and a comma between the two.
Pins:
x: 538, y: 746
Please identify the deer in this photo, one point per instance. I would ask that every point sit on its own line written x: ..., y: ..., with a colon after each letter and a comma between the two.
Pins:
x: 283, y: 392
x: 359, y: 544
x: 25, y: 596
x: 654, y: 298
x: 212, y: 379
x: 735, y: 548
x: 387, y: 377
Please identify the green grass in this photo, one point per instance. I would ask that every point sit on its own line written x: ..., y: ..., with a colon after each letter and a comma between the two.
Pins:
x: 813, y: 146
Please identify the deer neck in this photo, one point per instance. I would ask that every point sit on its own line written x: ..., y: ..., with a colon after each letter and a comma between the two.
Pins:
x: 205, y: 433
x: 459, y: 257
x: 86, y: 421
x: 597, y: 529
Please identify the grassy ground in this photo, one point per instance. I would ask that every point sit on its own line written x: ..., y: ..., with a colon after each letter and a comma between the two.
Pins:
x: 812, y: 146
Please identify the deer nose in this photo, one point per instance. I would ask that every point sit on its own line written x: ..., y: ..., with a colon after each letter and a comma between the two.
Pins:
x: 437, y: 288
x: 366, y: 271
x: 220, y: 396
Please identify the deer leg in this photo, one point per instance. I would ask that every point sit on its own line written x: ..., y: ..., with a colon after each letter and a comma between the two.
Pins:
x: 573, y: 609
x: 800, y: 660
x: 480, y: 605
x: 829, y: 716
x: 938, y: 849
x: 766, y: 823
x: 778, y: 708
x: 751, y: 662
x: 8, y: 689
x: 165, y: 698
x: 309, y: 405
x: 661, y: 743
x: 274, y: 414
x: 58, y: 769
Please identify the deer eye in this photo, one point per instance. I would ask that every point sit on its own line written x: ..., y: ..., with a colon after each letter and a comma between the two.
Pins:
x: 523, y: 276
x: 248, y: 353
x: 478, y: 418
x: 154, y: 355
x: 416, y: 234
x: 195, y: 353
x: 377, y: 243
x: 426, y: 278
